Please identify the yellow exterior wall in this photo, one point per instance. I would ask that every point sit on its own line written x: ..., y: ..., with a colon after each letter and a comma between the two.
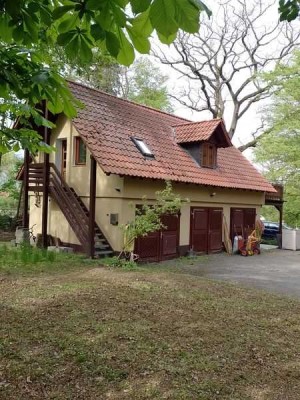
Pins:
x: 198, y: 196
x: 108, y: 188
x: 115, y: 194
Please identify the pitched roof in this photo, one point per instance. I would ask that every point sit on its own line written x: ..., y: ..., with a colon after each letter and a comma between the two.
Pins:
x: 107, y: 125
x: 198, y: 131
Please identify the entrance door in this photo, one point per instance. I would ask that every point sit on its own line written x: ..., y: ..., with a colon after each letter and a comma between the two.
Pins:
x: 206, y: 229
x: 160, y: 245
x: 63, y: 157
x: 242, y: 221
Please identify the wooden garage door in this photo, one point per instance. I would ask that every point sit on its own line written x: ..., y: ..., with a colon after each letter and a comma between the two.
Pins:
x: 206, y: 229
x: 160, y: 245
x: 242, y: 221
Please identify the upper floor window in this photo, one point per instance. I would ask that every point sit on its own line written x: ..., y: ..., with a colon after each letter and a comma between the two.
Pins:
x: 209, y: 155
x: 143, y: 148
x: 80, y: 151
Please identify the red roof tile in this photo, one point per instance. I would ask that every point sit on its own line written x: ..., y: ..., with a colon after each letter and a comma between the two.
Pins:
x: 108, y: 123
x: 195, y: 131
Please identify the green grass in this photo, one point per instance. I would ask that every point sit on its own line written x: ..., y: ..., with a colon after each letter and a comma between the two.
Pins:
x: 30, y: 260
x: 83, y: 332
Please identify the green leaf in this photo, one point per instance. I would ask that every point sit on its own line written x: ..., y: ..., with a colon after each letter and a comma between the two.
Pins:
x: 13, y: 7
x: 112, y: 44
x: 30, y: 27
x: 68, y: 23
x: 79, y: 45
x: 119, y: 16
x: 142, y: 24
x: 126, y: 53
x: 162, y: 14
x: 201, y: 6
x: 187, y: 16
x: 46, y: 16
x: 97, y: 32
x: 85, y: 52
x: 94, y: 4
x: 16, y: 147
x: 105, y: 19
x: 141, y: 43
x: 64, y: 38
x: 59, y: 12
x: 167, y: 40
x: 5, y: 29
x: 18, y: 33
x: 139, y: 6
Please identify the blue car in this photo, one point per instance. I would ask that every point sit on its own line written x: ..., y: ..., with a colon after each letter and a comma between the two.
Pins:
x: 272, y: 229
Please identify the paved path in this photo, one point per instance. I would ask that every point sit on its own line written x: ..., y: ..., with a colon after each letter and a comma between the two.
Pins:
x: 275, y: 270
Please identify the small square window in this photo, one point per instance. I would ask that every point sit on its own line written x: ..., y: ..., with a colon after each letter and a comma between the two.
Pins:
x: 80, y: 151
x: 143, y: 148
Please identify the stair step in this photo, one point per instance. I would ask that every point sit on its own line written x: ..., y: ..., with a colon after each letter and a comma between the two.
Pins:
x: 102, y: 245
x: 103, y: 253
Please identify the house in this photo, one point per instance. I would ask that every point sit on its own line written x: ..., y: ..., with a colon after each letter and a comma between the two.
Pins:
x: 114, y: 153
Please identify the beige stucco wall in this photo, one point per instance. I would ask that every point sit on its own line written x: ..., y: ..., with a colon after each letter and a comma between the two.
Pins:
x: 119, y: 195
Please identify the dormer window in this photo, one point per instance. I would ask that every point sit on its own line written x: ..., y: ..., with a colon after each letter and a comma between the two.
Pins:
x: 209, y: 155
x: 143, y: 148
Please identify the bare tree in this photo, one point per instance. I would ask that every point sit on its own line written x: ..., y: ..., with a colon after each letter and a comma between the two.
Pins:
x: 224, y: 61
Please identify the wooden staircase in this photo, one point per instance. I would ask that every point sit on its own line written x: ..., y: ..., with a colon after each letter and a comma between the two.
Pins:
x: 71, y: 206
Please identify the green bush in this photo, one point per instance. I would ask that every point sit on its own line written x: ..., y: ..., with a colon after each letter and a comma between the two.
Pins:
x: 117, y: 262
x: 6, y: 222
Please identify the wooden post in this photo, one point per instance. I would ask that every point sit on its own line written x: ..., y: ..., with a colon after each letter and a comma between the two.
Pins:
x: 25, y: 188
x: 46, y: 172
x: 280, y: 209
x: 93, y: 172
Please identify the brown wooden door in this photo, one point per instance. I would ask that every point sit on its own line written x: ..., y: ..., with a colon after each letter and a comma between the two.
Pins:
x: 199, y: 230
x: 206, y: 230
x: 63, y: 157
x: 169, y: 237
x: 215, y: 230
x: 160, y: 245
x: 242, y: 221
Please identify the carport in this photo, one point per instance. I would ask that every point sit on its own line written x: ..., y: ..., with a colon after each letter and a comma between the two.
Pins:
x: 276, y: 200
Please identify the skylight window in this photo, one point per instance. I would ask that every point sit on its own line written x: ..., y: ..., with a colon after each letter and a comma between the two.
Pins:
x: 143, y: 148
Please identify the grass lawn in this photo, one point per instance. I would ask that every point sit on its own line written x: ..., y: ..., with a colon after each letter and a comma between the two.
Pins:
x: 70, y: 329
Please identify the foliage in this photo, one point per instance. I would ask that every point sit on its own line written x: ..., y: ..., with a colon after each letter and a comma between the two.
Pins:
x: 278, y: 150
x: 270, y: 213
x: 78, y: 26
x: 6, y: 222
x: 148, y: 217
x: 9, y: 168
x: 147, y: 86
x: 289, y: 9
x: 118, y: 262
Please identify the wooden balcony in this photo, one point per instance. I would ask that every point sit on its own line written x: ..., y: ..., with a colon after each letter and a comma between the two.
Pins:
x: 275, y: 198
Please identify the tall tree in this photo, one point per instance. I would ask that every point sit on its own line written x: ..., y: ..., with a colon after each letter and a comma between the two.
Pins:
x: 119, y: 27
x: 278, y: 150
x: 224, y: 60
x: 145, y: 84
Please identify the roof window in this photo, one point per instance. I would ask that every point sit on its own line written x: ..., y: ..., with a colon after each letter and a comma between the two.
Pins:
x: 143, y: 148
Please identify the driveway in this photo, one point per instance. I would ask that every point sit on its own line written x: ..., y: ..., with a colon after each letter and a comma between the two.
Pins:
x: 273, y: 270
